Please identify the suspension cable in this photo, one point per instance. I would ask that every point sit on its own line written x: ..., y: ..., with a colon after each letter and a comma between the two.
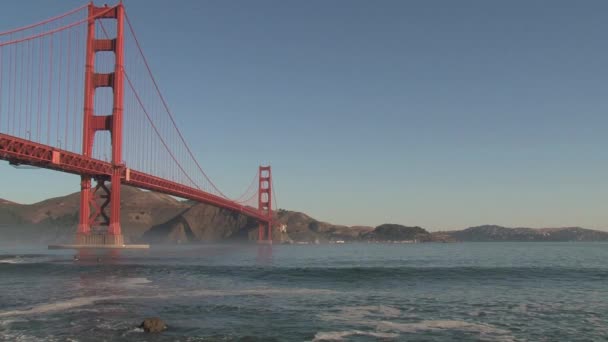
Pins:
x: 46, y: 21
x: 62, y: 28
x: 167, y: 108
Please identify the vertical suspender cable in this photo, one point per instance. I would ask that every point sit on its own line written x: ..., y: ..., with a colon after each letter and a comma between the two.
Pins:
x: 30, y: 73
x: 67, y: 93
x: 11, y: 88
x: 75, y: 138
x: 60, y: 35
x: 20, y: 97
x: 48, y: 116
x: 1, y: 82
x: 40, y: 79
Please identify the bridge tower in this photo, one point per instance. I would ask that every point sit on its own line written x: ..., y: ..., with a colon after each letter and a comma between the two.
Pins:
x: 95, y: 201
x: 265, y: 204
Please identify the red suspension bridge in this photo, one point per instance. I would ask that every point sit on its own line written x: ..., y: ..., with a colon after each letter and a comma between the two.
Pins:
x: 77, y: 95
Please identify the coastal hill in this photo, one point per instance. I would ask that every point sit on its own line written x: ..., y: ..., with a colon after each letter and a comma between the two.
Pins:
x: 498, y: 233
x: 396, y: 232
x: 201, y: 222
x: 54, y: 220
x: 150, y: 217
x: 301, y: 227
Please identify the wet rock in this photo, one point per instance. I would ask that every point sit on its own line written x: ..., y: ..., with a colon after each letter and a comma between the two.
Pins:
x: 153, y: 325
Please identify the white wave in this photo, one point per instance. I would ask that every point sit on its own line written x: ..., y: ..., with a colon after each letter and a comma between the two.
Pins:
x: 27, y: 259
x: 484, y: 331
x: 377, y: 317
x: 21, y: 337
x: 136, y: 281
x: 361, y: 314
x: 113, y: 282
x: 15, y: 260
x: 340, y: 335
x: 131, y: 331
x: 241, y: 292
x: 7, y: 322
x: 283, y: 291
x: 58, y: 306
x: 85, y: 301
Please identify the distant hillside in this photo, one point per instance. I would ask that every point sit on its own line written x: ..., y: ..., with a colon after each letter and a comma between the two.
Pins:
x: 156, y: 218
x: 396, y: 232
x: 498, y: 233
x: 301, y: 227
x: 55, y: 219
x: 202, y: 222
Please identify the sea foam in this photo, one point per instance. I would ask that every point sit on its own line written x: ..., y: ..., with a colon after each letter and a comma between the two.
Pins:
x: 58, y: 306
x: 340, y: 335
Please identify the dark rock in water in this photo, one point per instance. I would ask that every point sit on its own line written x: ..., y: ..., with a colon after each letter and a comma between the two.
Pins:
x: 153, y: 325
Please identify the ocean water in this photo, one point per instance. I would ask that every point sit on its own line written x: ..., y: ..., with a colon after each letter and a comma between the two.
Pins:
x: 358, y: 292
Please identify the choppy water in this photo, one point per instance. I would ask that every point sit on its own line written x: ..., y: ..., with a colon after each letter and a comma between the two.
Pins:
x: 429, y: 292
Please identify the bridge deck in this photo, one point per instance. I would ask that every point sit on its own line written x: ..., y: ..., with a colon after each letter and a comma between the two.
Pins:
x: 21, y: 151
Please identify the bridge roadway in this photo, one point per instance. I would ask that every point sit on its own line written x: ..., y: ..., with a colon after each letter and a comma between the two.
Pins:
x: 25, y: 152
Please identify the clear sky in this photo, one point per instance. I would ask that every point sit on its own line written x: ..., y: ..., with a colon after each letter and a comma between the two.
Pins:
x: 443, y: 114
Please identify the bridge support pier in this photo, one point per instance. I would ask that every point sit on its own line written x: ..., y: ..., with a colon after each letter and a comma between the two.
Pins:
x: 99, y: 239
x: 265, y: 233
x: 114, y: 227
x: 102, y: 196
x: 84, y: 228
x: 265, y: 204
x: 94, y: 214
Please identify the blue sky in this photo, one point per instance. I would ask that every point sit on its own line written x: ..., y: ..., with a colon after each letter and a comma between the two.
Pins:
x: 443, y: 114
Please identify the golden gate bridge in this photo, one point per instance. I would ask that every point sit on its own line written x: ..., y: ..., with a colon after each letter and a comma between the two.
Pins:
x: 77, y: 95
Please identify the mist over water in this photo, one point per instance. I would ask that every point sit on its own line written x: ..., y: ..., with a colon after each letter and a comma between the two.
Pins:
x: 359, y: 292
